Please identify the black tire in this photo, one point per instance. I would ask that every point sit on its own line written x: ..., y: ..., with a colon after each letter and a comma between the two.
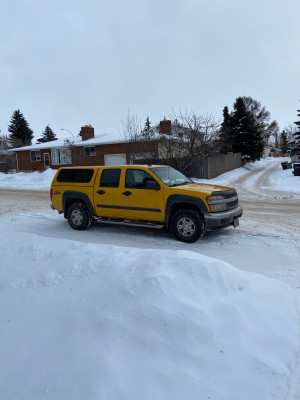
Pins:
x: 79, y: 217
x: 188, y: 226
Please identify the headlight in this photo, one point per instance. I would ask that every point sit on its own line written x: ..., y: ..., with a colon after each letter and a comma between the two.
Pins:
x: 218, y: 207
x: 216, y: 203
x: 213, y: 198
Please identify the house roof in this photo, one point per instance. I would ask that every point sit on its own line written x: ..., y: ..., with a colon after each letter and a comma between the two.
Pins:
x: 102, y: 139
x: 77, y: 142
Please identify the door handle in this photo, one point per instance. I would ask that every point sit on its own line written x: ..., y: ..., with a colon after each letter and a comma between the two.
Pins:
x: 127, y: 193
x: 101, y: 191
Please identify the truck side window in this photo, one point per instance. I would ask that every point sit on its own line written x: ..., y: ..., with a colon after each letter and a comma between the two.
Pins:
x: 110, y: 178
x: 137, y: 178
x: 75, y: 175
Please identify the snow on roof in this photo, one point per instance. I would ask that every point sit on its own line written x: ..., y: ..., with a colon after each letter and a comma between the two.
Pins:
x: 77, y: 142
x: 154, y: 134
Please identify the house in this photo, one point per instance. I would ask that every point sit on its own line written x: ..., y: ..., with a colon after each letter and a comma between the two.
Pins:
x: 88, y: 149
x: 267, y: 152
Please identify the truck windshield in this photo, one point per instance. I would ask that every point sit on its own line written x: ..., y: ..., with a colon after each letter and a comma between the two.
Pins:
x: 170, y: 176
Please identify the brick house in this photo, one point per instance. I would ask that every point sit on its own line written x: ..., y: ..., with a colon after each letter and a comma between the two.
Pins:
x: 88, y: 149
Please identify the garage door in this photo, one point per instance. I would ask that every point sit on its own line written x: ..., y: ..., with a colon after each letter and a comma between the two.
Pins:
x: 114, y: 159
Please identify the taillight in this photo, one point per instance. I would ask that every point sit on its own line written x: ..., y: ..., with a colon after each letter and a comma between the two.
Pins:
x: 51, y: 193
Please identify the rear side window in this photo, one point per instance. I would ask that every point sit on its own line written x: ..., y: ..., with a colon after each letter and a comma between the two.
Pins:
x: 75, y: 175
x: 110, y: 178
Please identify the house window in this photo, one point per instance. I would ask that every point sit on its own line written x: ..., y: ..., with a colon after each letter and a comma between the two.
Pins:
x: 61, y: 156
x: 35, y: 155
x: 89, y: 151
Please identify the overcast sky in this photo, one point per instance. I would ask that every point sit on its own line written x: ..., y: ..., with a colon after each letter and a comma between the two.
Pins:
x: 70, y: 63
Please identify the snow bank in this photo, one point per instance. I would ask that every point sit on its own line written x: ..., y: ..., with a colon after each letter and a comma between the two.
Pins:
x: 85, y: 321
x: 28, y: 180
x: 284, y: 179
x: 263, y: 162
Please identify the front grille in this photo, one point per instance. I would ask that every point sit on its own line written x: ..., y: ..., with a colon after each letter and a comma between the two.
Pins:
x: 230, y: 200
x: 232, y: 204
x: 226, y: 193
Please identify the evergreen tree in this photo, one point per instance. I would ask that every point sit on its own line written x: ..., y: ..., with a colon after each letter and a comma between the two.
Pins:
x: 246, y: 133
x: 296, y: 137
x: 147, y: 126
x: 262, y: 119
x: 283, y: 142
x: 225, y: 135
x: 47, y: 136
x: 20, y: 133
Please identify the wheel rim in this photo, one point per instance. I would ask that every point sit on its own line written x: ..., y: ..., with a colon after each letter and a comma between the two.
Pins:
x: 77, y: 217
x: 186, y: 226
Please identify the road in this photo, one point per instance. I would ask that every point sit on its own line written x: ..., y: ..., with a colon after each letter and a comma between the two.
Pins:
x: 23, y: 200
x: 266, y: 211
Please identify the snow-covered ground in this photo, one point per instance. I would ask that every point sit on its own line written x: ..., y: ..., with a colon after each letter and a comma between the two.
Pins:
x: 130, y: 313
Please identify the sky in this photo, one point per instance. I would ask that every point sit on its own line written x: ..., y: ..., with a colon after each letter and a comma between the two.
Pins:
x: 70, y: 63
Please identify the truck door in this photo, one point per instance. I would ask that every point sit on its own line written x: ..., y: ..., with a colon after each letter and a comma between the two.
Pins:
x: 107, y: 198
x: 140, y: 201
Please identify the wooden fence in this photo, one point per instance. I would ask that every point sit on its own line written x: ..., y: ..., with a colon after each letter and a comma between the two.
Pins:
x: 205, y: 167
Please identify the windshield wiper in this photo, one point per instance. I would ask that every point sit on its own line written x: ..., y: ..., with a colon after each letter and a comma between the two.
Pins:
x: 180, y: 184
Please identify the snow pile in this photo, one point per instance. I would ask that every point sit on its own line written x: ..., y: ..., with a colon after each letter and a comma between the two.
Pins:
x: 254, y: 166
x: 284, y: 179
x: 224, y: 179
x: 89, y: 321
x: 28, y: 180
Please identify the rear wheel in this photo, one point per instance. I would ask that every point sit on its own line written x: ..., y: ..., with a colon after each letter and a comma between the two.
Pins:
x: 188, y: 226
x: 79, y: 217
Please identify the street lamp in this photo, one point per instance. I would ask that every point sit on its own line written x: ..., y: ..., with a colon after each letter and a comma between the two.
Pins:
x: 62, y: 129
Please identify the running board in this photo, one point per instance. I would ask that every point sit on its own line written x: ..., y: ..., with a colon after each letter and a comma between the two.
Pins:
x: 130, y: 223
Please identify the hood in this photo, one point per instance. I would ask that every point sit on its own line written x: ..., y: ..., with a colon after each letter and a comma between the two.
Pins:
x: 200, y: 187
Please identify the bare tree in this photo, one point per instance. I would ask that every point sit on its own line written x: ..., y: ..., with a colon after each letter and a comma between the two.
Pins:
x: 290, y: 130
x: 131, y: 128
x: 196, y: 133
x: 142, y: 142
x: 71, y: 153
x: 4, y: 142
x: 191, y: 136
x: 6, y: 157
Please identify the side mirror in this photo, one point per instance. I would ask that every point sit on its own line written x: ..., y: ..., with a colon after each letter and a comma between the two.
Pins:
x: 152, y: 185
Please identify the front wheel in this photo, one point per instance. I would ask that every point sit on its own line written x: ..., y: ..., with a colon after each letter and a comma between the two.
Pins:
x: 78, y: 216
x: 187, y: 226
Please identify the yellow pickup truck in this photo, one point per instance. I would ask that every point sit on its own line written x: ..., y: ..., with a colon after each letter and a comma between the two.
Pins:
x: 146, y: 195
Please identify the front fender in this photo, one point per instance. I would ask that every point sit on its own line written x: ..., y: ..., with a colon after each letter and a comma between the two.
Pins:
x: 175, y: 199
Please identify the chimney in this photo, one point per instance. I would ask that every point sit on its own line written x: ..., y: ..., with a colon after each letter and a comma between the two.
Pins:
x: 87, y: 132
x: 165, y: 127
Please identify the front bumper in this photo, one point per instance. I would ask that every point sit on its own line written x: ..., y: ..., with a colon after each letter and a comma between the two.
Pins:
x: 223, y: 219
